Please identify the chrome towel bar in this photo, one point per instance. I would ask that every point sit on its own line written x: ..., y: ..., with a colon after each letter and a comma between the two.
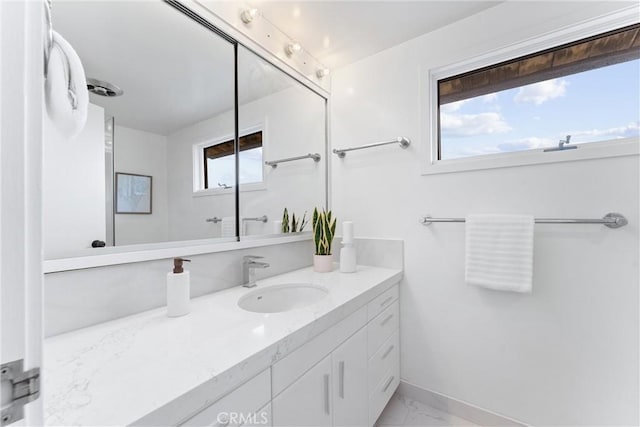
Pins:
x: 403, y: 141
x: 214, y: 220
x: 274, y: 163
x: 611, y: 220
x: 262, y: 218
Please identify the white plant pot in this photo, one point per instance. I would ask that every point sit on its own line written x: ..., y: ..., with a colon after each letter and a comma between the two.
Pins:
x: 323, y: 263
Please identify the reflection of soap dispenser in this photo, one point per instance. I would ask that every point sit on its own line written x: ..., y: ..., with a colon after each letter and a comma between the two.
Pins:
x: 348, y: 252
x: 178, y: 289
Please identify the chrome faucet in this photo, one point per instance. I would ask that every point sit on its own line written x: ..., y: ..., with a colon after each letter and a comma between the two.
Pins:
x: 249, y: 264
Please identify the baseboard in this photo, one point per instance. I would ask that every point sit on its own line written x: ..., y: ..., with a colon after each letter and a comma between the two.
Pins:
x: 456, y: 407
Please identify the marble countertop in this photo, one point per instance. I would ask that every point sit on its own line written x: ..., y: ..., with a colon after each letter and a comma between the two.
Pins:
x: 151, y: 369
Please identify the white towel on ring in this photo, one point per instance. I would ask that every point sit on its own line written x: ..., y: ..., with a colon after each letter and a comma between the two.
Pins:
x: 66, y: 94
x: 228, y: 226
x: 499, y: 252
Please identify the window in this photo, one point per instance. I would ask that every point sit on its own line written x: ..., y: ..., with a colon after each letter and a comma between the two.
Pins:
x: 586, y: 91
x: 219, y: 162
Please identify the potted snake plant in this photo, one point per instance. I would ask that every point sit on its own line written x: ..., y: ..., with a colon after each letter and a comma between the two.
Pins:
x: 324, y: 228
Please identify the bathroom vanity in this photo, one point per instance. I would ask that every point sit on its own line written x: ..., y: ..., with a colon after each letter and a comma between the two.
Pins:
x: 333, y: 362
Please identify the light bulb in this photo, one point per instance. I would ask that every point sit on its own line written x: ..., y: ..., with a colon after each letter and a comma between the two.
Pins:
x: 292, y: 48
x: 247, y: 15
x: 322, y: 72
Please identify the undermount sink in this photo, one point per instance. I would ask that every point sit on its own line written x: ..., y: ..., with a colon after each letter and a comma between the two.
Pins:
x: 285, y: 297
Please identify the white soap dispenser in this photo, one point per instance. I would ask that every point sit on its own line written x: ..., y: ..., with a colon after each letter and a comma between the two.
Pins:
x: 178, y: 289
x: 348, y: 252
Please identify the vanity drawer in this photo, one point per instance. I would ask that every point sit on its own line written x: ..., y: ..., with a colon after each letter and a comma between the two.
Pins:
x: 382, y: 327
x: 382, y: 392
x: 384, y: 360
x: 234, y: 408
x: 382, y: 301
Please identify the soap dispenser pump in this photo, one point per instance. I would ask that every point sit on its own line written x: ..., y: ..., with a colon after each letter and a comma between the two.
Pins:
x: 178, y: 289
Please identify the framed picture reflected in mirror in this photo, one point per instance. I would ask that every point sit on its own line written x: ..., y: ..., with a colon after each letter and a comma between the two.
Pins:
x: 133, y: 193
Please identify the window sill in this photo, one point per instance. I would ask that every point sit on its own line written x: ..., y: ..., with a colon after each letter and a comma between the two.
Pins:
x: 591, y: 151
x: 257, y: 186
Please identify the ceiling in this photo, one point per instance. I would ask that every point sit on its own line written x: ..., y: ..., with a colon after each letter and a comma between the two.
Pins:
x: 341, y: 32
x: 174, y: 72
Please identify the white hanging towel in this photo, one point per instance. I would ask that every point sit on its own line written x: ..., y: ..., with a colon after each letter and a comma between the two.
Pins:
x: 228, y: 226
x: 499, y: 251
x: 66, y: 94
x: 243, y: 226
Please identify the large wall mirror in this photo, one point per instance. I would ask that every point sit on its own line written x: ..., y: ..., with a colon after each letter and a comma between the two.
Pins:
x: 282, y: 149
x: 156, y: 163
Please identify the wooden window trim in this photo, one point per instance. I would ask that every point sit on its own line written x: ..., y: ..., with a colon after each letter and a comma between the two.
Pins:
x: 605, y: 49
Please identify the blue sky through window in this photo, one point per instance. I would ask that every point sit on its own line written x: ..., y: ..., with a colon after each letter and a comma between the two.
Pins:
x: 596, y: 105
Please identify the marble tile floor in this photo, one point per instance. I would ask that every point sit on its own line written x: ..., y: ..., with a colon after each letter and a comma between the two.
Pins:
x: 402, y: 411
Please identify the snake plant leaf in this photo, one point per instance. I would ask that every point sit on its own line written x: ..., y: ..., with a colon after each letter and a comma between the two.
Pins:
x: 294, y: 224
x: 324, y: 229
x: 285, y: 221
x: 304, y: 221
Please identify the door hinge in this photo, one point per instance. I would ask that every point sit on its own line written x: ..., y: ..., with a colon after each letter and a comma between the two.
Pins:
x: 25, y: 388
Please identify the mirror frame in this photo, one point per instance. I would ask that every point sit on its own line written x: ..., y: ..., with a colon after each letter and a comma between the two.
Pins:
x: 125, y: 254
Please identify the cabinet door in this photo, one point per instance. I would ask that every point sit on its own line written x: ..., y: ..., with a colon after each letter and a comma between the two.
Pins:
x: 237, y: 407
x: 306, y: 402
x: 350, y: 397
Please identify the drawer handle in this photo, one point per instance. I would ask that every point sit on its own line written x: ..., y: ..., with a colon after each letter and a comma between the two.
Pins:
x: 387, y: 301
x: 341, y: 369
x: 386, y: 387
x: 386, y: 353
x: 326, y: 394
x: 385, y: 321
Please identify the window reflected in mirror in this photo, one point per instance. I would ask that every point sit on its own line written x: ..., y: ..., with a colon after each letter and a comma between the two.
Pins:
x: 220, y: 165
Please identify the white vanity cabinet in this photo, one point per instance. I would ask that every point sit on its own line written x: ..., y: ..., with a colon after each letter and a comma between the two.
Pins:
x: 342, y: 377
x: 350, y: 391
x: 246, y: 405
x: 306, y: 402
x: 363, y: 352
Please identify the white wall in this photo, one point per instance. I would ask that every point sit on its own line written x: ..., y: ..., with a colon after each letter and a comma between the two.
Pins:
x: 142, y: 153
x: 187, y: 214
x: 294, y: 120
x: 566, y: 354
x: 74, y: 191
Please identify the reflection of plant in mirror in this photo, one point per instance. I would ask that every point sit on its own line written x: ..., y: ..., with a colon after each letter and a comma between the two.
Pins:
x: 296, y: 225
x: 304, y: 221
x: 285, y: 221
x: 324, y: 228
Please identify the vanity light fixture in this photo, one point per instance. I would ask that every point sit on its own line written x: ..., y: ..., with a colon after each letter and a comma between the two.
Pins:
x: 292, y: 47
x: 247, y: 15
x: 322, y: 72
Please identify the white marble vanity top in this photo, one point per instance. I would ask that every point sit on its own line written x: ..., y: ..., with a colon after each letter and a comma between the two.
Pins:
x: 119, y: 372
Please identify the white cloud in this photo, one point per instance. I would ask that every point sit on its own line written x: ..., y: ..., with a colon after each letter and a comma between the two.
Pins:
x: 453, y: 106
x: 530, y: 143
x: 473, y: 124
x: 541, y: 92
x: 632, y: 129
x: 490, y: 97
